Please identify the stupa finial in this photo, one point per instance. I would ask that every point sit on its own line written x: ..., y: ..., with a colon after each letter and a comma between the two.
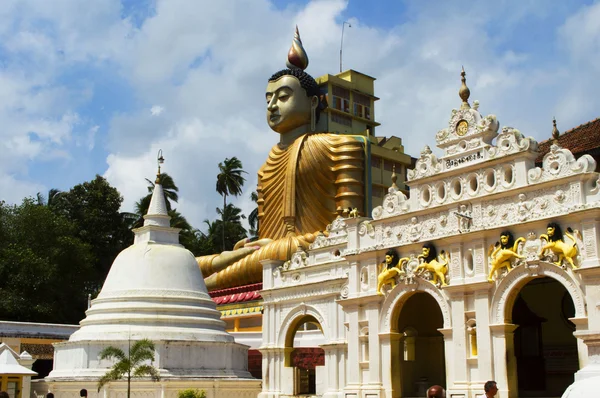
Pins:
x: 157, y: 210
x: 160, y: 160
x: 297, y: 57
x: 464, y: 91
x: 394, y: 177
x: 555, y: 132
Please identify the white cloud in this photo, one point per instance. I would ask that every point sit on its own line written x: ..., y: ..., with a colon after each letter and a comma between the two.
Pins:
x: 156, y: 110
x: 208, y: 63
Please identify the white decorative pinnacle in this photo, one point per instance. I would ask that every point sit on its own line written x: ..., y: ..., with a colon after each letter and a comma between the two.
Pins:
x: 157, y: 211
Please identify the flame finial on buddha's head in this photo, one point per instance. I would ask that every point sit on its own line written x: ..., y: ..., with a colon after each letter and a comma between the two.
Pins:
x: 297, y: 57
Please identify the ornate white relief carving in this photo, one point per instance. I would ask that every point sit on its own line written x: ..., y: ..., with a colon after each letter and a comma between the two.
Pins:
x: 560, y: 162
x: 394, y: 203
x: 510, y: 141
x: 426, y: 165
x: 415, y: 229
x: 298, y: 260
x: 337, y: 235
x: 366, y: 228
x: 537, y: 204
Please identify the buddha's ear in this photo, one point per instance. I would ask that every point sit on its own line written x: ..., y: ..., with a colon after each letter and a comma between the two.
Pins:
x: 314, y: 102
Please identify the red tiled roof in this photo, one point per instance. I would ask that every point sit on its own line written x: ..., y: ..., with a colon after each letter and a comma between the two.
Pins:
x: 581, y: 139
x: 237, y: 294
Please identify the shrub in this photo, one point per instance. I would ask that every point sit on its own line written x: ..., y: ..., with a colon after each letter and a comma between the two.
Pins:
x: 190, y: 393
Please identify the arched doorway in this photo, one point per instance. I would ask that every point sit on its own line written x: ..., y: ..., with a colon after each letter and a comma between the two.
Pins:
x: 544, y: 346
x: 422, y: 358
x: 305, y: 356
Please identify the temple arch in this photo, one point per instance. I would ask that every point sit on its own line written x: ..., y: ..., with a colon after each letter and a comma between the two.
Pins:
x: 392, y: 305
x: 297, y: 316
x: 508, y: 289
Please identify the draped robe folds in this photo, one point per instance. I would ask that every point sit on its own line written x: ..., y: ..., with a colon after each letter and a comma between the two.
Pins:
x: 300, y: 188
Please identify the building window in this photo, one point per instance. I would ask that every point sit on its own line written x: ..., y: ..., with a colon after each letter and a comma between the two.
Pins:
x: 375, y: 162
x: 358, y: 110
x: 341, y: 119
x: 341, y: 99
x: 363, y: 103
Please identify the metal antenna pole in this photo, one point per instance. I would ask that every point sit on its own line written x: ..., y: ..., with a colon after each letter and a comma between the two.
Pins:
x: 342, y: 42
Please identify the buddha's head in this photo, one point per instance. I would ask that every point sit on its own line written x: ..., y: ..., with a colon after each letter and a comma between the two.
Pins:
x: 293, y: 96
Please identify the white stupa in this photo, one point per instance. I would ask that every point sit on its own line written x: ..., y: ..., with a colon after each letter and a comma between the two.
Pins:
x: 154, y: 290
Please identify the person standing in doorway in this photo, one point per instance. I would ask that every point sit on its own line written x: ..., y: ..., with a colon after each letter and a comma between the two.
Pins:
x: 490, y: 388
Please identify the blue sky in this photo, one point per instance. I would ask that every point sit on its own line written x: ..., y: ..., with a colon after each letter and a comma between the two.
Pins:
x: 98, y: 87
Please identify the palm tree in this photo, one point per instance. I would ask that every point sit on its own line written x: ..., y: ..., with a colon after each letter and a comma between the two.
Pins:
x: 53, y: 197
x: 230, y: 225
x: 253, y: 217
x: 229, y: 182
x: 130, y: 365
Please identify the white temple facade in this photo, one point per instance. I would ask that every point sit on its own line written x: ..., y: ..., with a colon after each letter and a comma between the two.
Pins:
x: 523, y: 314
x: 154, y: 291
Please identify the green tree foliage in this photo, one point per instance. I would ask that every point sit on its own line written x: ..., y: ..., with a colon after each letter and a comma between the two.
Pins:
x: 253, y: 216
x: 130, y: 365
x: 93, y: 207
x: 191, y: 393
x: 229, y: 182
x: 230, y: 226
x: 45, y: 267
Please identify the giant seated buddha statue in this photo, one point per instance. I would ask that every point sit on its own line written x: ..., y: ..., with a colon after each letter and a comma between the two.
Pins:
x: 307, y: 178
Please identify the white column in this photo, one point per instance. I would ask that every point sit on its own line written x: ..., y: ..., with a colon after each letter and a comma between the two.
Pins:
x: 353, y: 346
x: 372, y: 313
x: 390, y: 361
x: 485, y: 355
x: 457, y: 357
x: 505, y: 362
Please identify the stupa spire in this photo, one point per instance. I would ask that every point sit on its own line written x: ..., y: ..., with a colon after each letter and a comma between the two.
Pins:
x: 157, y: 211
x: 464, y: 91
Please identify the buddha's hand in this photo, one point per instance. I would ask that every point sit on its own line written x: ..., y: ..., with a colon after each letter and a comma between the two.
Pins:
x: 217, y: 262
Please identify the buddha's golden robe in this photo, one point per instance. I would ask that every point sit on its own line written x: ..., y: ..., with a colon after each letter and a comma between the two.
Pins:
x: 300, y: 188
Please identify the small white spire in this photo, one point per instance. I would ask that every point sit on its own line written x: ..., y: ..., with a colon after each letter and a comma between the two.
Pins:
x: 157, y: 212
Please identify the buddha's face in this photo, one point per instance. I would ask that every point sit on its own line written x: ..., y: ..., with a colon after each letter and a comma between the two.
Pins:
x: 288, y: 106
x: 550, y: 231
x: 504, y: 239
x: 425, y: 252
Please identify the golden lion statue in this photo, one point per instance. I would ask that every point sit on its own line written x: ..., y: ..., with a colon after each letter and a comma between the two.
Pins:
x: 503, y: 252
x: 556, y: 243
x: 389, y: 269
x: 437, y: 265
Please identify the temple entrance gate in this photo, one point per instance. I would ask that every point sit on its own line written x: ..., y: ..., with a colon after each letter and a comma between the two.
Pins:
x: 305, y: 357
x: 421, y: 358
x: 544, y: 346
